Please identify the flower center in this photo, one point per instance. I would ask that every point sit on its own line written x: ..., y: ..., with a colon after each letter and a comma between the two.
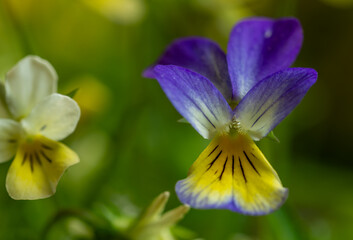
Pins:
x: 233, y: 129
x: 34, y: 151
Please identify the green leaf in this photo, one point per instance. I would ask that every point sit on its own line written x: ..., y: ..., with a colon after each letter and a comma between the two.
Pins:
x: 72, y: 93
x: 183, y: 120
x: 272, y: 137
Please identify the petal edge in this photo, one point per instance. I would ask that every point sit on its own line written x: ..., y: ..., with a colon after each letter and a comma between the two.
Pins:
x: 259, y: 47
x: 200, y: 55
x: 55, y: 117
x: 27, y: 83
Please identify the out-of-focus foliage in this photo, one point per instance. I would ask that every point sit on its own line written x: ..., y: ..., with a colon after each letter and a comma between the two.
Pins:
x: 108, y: 223
x: 225, y: 12
x: 339, y: 3
x: 129, y: 141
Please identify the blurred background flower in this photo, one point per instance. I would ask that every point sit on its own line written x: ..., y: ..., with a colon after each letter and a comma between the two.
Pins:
x: 225, y: 12
x: 120, y: 11
x: 129, y: 145
x: 91, y: 94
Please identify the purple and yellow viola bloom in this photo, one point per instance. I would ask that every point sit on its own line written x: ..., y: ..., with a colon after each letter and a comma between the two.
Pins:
x: 235, y: 99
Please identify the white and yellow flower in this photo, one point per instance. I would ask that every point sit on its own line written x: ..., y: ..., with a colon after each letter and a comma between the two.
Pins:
x: 33, y: 117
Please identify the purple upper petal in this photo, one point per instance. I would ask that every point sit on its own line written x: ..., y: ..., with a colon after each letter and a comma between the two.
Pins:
x: 195, y: 97
x: 200, y: 55
x: 259, y: 47
x: 272, y: 99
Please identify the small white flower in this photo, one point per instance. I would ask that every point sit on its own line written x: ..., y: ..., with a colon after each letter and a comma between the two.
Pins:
x: 33, y: 117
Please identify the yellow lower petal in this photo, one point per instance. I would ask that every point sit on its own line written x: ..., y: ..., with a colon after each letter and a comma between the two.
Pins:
x: 38, y: 165
x: 232, y: 173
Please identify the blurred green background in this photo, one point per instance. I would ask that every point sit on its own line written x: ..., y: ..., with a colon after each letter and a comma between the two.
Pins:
x: 130, y: 144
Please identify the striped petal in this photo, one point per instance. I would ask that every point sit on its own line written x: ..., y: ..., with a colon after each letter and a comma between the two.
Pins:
x: 27, y: 83
x: 259, y: 47
x: 196, y: 98
x: 232, y: 173
x: 37, y: 168
x: 272, y: 99
x: 200, y: 55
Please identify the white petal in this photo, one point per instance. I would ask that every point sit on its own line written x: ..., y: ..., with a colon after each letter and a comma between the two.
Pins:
x: 27, y: 83
x: 10, y: 134
x: 55, y: 117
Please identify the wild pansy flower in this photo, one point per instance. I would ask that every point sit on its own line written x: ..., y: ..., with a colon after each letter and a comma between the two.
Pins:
x: 33, y: 118
x: 235, y: 99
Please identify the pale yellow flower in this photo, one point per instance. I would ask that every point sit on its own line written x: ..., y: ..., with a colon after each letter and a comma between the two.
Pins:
x: 33, y: 118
